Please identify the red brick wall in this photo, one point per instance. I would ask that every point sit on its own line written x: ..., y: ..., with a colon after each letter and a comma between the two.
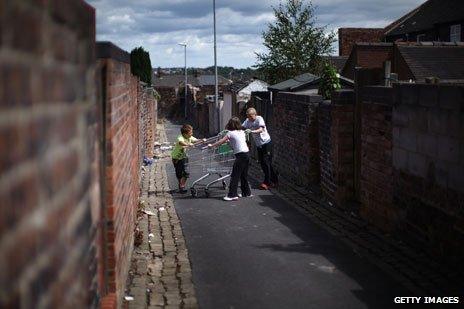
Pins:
x: 49, y: 187
x: 336, y: 124
x: 295, y: 137
x: 122, y: 168
x: 428, y: 165
x: 347, y: 37
x: 376, y: 158
x: 169, y: 102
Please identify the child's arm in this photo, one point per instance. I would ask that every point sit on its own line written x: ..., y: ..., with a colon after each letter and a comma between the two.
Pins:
x: 219, y: 142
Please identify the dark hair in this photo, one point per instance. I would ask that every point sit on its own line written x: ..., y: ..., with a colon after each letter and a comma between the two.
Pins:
x: 234, y: 124
x: 186, y: 128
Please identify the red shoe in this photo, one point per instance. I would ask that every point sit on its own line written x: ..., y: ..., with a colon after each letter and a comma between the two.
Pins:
x: 263, y: 186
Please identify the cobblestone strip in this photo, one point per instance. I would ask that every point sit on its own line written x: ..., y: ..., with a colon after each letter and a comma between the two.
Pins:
x: 160, y: 276
x: 412, y: 267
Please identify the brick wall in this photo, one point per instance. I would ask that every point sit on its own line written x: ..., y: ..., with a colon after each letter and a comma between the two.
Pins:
x: 347, y: 37
x: 168, y: 102
x: 376, y: 158
x: 122, y: 154
x: 428, y: 164
x: 148, y: 117
x: 49, y: 187
x: 336, y: 121
x: 295, y: 137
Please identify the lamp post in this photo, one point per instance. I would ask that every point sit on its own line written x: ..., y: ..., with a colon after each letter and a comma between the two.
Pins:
x: 216, y: 91
x: 185, y: 83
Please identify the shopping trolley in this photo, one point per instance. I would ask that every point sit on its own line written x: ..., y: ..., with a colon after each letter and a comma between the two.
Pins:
x: 215, y: 163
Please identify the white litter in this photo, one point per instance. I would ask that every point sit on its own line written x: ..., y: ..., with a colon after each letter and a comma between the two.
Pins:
x: 149, y: 212
x: 151, y: 235
x: 161, y: 209
x: 129, y: 298
x: 166, y: 147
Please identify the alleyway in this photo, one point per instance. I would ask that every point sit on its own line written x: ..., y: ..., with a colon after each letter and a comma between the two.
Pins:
x: 262, y: 253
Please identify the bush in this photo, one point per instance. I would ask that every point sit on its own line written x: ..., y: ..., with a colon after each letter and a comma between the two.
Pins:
x: 329, y: 81
x: 141, y: 64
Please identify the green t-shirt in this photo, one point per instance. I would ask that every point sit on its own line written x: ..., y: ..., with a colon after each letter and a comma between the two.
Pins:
x: 178, y: 153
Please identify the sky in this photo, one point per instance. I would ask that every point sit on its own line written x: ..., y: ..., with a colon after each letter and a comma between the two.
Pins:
x: 160, y: 25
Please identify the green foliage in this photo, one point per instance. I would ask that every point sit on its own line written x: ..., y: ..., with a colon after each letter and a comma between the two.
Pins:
x: 141, y: 64
x: 329, y: 81
x: 294, y: 43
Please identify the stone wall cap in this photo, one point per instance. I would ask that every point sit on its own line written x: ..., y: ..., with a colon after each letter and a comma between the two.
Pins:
x: 107, y: 50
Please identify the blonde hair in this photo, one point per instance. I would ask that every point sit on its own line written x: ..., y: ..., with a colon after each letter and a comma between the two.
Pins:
x: 251, y: 111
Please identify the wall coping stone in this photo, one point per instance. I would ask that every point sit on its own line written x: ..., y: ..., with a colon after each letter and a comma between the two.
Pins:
x: 109, y: 50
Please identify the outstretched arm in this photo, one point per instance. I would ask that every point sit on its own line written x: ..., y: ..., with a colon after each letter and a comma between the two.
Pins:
x: 219, y: 142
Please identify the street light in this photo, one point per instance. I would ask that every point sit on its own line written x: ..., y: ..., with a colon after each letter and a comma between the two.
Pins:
x: 216, y: 92
x: 185, y: 84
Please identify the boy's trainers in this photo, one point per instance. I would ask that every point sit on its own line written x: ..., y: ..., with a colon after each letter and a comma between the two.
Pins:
x: 182, y: 190
x: 226, y: 198
x: 240, y: 195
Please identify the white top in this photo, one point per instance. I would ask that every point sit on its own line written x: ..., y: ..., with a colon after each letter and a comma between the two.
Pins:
x: 260, y: 138
x: 237, y: 141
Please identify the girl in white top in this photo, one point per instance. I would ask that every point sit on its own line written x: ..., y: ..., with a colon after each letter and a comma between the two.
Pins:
x: 237, y: 140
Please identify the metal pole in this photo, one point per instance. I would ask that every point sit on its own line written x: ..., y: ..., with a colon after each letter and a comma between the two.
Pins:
x: 185, y: 100
x: 185, y: 82
x: 216, y: 91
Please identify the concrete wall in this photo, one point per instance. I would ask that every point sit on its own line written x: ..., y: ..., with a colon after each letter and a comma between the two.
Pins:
x: 49, y: 189
x: 295, y: 137
x: 428, y: 164
x: 413, y: 164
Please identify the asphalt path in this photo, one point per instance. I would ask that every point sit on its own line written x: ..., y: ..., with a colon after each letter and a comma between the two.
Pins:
x: 260, y: 252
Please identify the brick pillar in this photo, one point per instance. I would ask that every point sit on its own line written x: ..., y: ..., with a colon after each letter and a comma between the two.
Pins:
x: 336, y: 147
x: 49, y: 190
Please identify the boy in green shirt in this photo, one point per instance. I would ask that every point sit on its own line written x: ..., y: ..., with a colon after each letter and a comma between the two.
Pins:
x: 179, y: 155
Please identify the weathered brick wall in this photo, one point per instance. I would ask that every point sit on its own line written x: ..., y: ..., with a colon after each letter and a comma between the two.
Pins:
x: 147, y: 110
x: 347, y: 37
x: 168, y: 102
x: 336, y: 147
x: 122, y: 162
x: 49, y: 189
x: 376, y: 158
x: 428, y: 164
x: 295, y: 137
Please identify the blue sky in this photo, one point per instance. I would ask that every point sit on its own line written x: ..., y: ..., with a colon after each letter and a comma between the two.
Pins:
x: 159, y: 25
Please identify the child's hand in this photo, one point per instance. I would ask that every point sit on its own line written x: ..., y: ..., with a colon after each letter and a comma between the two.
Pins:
x: 203, y: 140
x: 210, y: 145
x: 247, y: 131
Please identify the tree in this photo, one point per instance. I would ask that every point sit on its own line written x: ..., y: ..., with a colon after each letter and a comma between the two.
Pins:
x: 294, y: 43
x: 141, y: 64
x: 329, y: 81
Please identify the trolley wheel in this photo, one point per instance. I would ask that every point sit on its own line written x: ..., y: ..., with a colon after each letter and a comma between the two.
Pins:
x: 224, y: 185
x: 206, y: 193
x: 194, y: 192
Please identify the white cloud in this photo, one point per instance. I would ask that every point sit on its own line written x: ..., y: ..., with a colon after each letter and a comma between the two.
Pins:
x: 160, y: 25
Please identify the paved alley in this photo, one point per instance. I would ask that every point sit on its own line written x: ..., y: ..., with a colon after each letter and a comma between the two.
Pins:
x: 260, y: 252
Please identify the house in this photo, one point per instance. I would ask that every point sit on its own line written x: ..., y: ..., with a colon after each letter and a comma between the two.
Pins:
x: 306, y: 82
x: 171, y: 86
x: 410, y: 61
x: 338, y: 62
x: 434, y: 20
x: 367, y: 55
x: 237, y: 95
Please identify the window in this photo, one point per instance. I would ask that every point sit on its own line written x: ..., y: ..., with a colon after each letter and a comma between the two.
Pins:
x: 455, y: 33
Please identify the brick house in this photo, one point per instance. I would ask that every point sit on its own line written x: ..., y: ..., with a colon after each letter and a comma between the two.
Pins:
x: 411, y: 61
x: 434, y: 20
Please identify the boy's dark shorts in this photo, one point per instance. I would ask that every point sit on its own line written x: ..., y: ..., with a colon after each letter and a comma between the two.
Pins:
x: 180, y: 167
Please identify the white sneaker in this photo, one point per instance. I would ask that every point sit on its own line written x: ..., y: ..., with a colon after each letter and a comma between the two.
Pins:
x: 226, y: 198
x: 240, y: 195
